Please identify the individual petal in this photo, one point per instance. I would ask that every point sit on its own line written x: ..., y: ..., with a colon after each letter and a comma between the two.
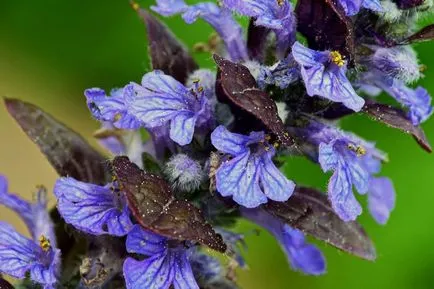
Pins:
x: 331, y: 84
x: 381, y: 199
x: 184, y: 278
x: 47, y: 276
x: 421, y: 110
x: 327, y: 156
x: 351, y: 7
x: 274, y: 184
x: 16, y: 203
x: 302, y: 256
x: 17, y: 253
x: 341, y: 195
x: 144, y: 242
x: 233, y: 143
x: 222, y: 21
x: 239, y: 178
x: 308, y: 57
x: 91, y: 208
x: 112, y: 108
x: 156, y: 272
x: 417, y: 101
x: 161, y: 99
x: 182, y: 128
x: 169, y: 7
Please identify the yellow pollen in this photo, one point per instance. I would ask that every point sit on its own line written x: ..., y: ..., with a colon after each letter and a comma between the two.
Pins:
x: 267, y: 137
x: 135, y: 5
x: 423, y: 68
x: 200, y: 89
x: 44, y: 243
x: 118, y: 116
x: 359, y: 150
x: 280, y: 2
x: 276, y: 145
x: 337, y: 58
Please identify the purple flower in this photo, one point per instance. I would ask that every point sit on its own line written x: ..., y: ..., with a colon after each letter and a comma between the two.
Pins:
x: 352, y: 7
x: 323, y: 73
x: 112, y: 108
x: 354, y: 163
x: 18, y: 254
x: 417, y: 101
x: 167, y: 263
x: 219, y: 18
x: 250, y: 176
x: 276, y: 15
x: 161, y: 100
x: 301, y: 256
x: 91, y: 208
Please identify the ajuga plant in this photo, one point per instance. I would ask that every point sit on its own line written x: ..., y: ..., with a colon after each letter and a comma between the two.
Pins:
x: 195, y: 149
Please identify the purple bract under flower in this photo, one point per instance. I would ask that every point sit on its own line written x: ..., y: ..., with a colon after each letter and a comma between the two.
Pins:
x: 195, y: 149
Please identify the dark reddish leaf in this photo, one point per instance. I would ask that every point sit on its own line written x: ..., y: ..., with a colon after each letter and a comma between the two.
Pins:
x: 257, y: 40
x: 396, y: 118
x: 155, y: 208
x: 425, y: 34
x: 239, y: 87
x: 167, y: 53
x: 324, y: 24
x: 68, y: 152
x: 309, y: 211
x: 5, y: 284
x: 408, y: 4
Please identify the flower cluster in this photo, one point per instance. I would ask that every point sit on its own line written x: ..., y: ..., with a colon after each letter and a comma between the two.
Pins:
x: 195, y: 149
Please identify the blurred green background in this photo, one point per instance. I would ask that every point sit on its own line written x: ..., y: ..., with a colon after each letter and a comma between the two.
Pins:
x: 51, y: 50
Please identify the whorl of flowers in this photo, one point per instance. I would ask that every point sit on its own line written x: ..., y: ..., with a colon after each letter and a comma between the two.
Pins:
x: 208, y: 157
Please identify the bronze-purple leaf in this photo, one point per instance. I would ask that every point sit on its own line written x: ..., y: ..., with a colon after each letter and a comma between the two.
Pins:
x: 408, y: 4
x: 67, y: 151
x: 167, y: 53
x: 257, y: 40
x: 309, y: 211
x: 153, y: 205
x: 239, y: 87
x: 325, y: 26
x: 425, y: 34
x: 396, y: 118
x: 5, y: 284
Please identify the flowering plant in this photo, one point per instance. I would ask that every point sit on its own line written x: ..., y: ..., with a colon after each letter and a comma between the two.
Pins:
x: 193, y: 150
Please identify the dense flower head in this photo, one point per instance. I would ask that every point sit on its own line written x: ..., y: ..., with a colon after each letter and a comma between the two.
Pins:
x: 194, y: 149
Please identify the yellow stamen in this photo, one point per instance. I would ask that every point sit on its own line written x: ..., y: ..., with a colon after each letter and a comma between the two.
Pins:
x: 44, y: 243
x: 280, y: 2
x: 135, y: 5
x: 200, y: 89
x: 423, y: 68
x: 359, y: 150
x: 337, y: 58
x: 276, y: 145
